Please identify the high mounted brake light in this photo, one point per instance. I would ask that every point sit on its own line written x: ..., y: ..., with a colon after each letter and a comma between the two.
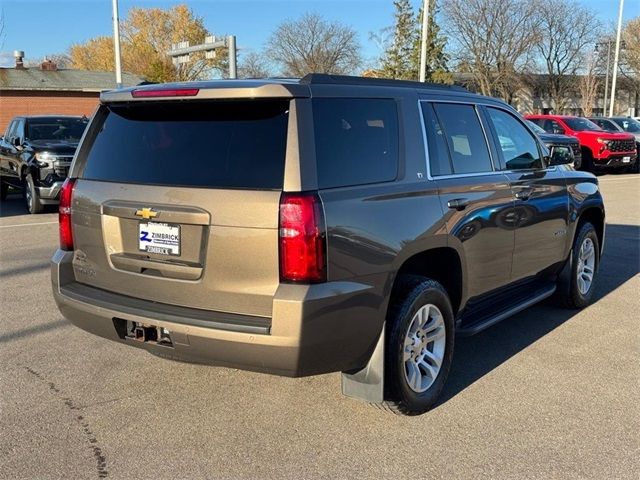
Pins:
x: 174, y: 92
x: 64, y: 214
x: 302, y: 238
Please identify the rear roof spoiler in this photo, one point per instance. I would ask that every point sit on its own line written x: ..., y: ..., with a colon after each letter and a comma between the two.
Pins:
x: 220, y: 89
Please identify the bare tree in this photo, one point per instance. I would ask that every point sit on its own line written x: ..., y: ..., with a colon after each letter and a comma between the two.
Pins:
x: 493, y: 40
x: 312, y: 44
x: 253, y: 65
x: 568, y: 30
x: 62, y: 60
x: 588, y: 85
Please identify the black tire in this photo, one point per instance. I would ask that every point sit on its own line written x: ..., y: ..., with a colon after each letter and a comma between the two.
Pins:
x: 31, y: 197
x: 412, y: 293
x: 4, y: 190
x: 569, y: 293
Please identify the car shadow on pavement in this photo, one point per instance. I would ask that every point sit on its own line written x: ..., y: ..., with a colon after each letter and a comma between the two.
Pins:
x: 476, y: 356
x: 13, y: 206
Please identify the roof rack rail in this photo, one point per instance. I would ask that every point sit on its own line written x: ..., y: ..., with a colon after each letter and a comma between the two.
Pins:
x: 323, y: 79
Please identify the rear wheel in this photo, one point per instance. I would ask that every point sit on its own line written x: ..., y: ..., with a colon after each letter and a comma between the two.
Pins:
x: 585, y: 258
x: 31, y: 197
x: 419, y: 349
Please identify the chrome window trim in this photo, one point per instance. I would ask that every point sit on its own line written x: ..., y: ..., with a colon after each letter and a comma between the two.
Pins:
x: 548, y: 168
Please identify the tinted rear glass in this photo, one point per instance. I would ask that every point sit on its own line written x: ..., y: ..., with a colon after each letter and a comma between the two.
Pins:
x: 356, y: 141
x: 238, y: 144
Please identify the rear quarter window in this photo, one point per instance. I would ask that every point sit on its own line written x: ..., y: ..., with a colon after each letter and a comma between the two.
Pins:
x: 233, y: 144
x: 356, y: 141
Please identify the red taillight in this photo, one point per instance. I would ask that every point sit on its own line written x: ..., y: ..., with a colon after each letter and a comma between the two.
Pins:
x: 64, y: 214
x: 302, y: 238
x: 173, y: 92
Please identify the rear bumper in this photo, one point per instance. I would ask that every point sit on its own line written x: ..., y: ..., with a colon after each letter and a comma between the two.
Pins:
x: 314, y: 328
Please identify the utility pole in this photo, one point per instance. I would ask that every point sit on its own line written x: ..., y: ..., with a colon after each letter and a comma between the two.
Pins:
x: 425, y: 39
x: 116, y: 43
x: 181, y: 52
x: 615, y: 60
x: 606, y: 81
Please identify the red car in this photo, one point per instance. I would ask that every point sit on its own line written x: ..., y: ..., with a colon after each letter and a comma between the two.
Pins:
x: 600, y: 149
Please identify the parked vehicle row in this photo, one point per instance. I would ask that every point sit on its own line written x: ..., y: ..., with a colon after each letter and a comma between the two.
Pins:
x: 319, y: 225
x: 601, y: 149
x: 622, y: 124
x: 35, y: 156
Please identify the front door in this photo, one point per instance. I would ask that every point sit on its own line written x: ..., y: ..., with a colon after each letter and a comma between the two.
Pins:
x: 541, y: 209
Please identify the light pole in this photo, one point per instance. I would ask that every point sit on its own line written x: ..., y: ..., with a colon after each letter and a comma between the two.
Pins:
x: 116, y: 43
x: 615, y: 60
x: 425, y: 39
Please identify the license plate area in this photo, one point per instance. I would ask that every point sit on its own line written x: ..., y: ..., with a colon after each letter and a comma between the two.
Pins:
x: 159, y: 238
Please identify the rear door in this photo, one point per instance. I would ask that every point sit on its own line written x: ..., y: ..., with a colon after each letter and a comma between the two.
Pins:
x: 177, y: 202
x: 541, y: 210
x: 477, y: 199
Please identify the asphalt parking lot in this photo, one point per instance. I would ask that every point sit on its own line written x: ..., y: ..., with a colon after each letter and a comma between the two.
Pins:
x: 549, y: 393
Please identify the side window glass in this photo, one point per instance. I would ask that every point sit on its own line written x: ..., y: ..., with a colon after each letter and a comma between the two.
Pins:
x: 519, y: 148
x: 19, y: 132
x: 439, y: 160
x: 357, y: 141
x: 464, y: 137
x: 10, y: 130
x: 548, y: 125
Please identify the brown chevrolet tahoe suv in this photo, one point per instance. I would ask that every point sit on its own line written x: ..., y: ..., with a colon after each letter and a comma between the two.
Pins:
x: 328, y: 224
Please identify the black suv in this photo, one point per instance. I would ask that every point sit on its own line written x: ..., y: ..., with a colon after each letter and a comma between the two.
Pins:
x: 328, y: 224
x: 35, y: 155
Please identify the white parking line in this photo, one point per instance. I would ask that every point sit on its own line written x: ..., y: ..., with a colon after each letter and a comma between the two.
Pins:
x: 26, y: 224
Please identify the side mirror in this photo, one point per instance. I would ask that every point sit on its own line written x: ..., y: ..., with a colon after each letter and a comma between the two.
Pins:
x: 16, y: 142
x: 561, y: 156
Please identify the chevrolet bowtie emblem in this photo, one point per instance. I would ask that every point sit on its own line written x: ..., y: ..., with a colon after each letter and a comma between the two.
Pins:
x: 146, y: 213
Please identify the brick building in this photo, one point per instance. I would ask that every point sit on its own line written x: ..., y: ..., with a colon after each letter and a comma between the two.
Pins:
x: 48, y: 90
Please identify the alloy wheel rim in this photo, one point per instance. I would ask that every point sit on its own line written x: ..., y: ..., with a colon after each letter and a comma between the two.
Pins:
x: 423, y: 348
x: 29, y: 196
x: 586, y: 266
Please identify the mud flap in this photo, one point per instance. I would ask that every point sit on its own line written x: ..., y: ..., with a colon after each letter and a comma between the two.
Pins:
x: 368, y: 384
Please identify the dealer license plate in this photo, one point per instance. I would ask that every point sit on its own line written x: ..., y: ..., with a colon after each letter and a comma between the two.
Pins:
x: 161, y: 238
x: 626, y: 159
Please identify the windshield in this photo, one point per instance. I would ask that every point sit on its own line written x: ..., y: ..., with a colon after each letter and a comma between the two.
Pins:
x: 581, y: 124
x: 67, y: 129
x: 535, y: 127
x: 628, y: 124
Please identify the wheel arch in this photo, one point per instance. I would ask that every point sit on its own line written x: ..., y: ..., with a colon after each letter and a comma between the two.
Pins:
x: 595, y: 216
x: 442, y: 264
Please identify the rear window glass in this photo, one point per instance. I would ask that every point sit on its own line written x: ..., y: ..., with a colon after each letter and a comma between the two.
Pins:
x: 237, y: 144
x: 464, y: 136
x: 356, y: 141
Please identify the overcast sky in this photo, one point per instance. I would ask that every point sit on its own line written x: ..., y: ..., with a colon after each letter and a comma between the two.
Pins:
x: 42, y: 27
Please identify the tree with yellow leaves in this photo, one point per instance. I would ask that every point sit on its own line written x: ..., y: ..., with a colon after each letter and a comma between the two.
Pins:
x: 146, y: 35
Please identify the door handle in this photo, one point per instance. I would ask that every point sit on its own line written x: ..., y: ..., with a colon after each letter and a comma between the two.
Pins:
x: 524, y: 193
x: 458, y: 203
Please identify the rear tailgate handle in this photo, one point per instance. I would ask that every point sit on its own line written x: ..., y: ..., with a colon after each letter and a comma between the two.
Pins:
x: 173, y: 269
x: 458, y: 203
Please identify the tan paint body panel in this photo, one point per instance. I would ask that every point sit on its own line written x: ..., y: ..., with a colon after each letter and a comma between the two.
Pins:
x: 228, y: 234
